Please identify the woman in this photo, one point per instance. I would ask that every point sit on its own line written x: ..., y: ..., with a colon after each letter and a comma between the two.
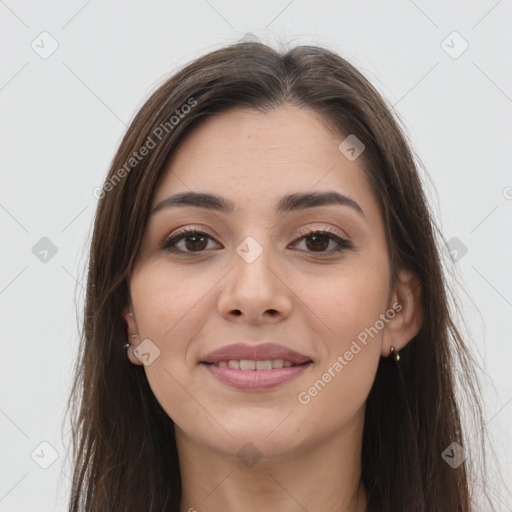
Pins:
x: 266, y: 323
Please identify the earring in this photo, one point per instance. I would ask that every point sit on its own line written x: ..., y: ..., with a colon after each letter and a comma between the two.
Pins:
x: 127, y: 345
x: 395, y: 354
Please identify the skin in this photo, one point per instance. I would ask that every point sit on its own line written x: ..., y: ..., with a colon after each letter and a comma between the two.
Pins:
x: 191, y: 304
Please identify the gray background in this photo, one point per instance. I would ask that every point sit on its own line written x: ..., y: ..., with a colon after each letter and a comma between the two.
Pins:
x: 62, y: 117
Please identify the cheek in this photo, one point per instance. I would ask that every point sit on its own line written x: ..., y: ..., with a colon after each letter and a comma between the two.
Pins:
x: 351, y: 304
x: 335, y: 397
x: 165, y: 300
x: 338, y: 389
x: 169, y: 305
x: 351, y: 308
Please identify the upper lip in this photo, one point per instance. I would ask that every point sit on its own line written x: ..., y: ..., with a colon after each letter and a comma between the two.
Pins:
x: 264, y: 352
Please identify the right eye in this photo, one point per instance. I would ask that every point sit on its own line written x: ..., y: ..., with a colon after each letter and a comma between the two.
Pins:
x: 191, y: 241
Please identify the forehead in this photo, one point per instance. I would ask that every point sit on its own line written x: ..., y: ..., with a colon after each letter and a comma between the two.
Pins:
x: 254, y: 158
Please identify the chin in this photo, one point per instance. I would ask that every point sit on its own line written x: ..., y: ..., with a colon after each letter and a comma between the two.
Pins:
x: 271, y: 437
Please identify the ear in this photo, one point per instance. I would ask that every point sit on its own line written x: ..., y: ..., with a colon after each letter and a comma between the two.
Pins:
x: 131, y: 329
x: 408, y: 317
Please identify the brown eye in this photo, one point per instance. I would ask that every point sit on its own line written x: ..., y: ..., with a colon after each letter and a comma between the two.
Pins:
x: 187, y: 241
x: 195, y: 242
x: 317, y: 242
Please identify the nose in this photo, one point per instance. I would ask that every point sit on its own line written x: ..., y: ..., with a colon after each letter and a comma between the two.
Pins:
x: 254, y: 291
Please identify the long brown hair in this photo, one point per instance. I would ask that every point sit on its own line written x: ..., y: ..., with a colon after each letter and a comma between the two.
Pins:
x: 125, y: 456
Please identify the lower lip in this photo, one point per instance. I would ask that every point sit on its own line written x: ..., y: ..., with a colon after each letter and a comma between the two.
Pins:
x: 256, y: 379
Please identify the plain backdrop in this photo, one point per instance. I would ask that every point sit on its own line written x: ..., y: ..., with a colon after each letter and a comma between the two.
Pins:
x: 74, y: 73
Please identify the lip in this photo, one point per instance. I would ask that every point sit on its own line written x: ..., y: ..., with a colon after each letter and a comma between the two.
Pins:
x: 255, y: 380
x: 263, y: 352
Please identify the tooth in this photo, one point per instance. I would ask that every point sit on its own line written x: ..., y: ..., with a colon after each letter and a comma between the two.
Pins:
x: 264, y: 365
x: 250, y: 364
x: 247, y: 364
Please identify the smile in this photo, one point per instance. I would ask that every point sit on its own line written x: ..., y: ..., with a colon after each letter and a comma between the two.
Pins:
x: 250, y: 364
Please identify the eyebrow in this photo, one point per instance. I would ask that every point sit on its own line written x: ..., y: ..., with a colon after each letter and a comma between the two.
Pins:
x: 288, y: 203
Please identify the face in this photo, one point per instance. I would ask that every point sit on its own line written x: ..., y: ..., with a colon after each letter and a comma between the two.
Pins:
x: 312, y: 278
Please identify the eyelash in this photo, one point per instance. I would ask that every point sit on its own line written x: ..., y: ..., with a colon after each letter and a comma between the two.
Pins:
x: 343, y: 244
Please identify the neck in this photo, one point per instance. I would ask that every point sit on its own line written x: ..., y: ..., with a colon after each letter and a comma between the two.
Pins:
x: 323, y: 476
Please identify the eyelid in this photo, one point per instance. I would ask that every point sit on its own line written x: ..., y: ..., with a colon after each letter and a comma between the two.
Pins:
x: 186, y: 229
x: 328, y: 229
x: 303, y: 231
x: 342, y: 239
x: 183, y: 232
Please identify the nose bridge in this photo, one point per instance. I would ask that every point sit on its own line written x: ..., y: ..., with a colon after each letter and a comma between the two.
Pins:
x: 252, y: 261
x: 253, y: 285
x: 250, y: 250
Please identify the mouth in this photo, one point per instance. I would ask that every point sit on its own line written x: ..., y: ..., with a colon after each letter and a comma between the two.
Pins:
x: 252, y: 375
x: 256, y: 367
x: 245, y: 355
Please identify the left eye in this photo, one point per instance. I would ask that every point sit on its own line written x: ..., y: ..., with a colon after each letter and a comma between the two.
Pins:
x: 319, y: 241
x: 193, y: 241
